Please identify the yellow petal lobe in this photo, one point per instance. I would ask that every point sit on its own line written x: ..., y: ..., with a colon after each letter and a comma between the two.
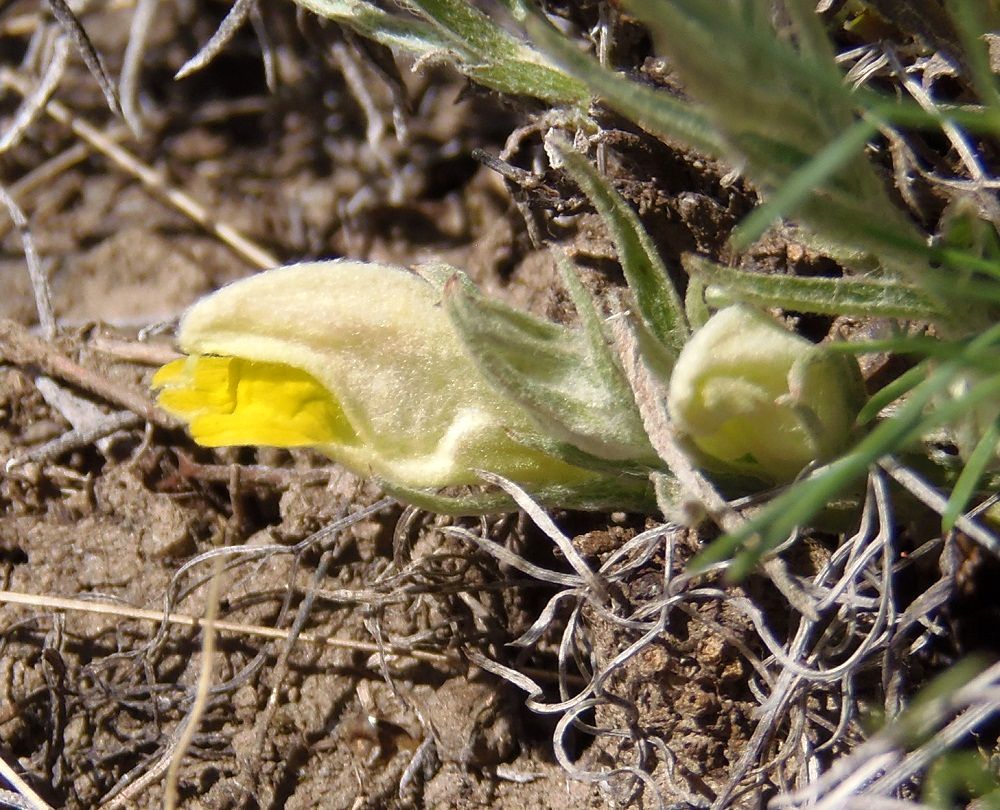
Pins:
x: 232, y: 401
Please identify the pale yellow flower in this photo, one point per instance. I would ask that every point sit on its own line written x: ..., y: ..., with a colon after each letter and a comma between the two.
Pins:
x: 751, y: 398
x: 359, y: 361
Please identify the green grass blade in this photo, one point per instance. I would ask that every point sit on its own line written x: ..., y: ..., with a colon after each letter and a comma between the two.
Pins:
x: 803, y: 182
x: 982, y: 456
x: 971, y: 26
x: 749, y: 79
x: 891, y: 392
x: 809, y: 31
x: 787, y: 119
x: 658, y: 303
x: 981, y: 120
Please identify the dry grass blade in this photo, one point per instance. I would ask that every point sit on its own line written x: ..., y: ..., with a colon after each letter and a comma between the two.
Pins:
x: 234, y: 19
x: 39, y: 281
x: 47, y: 602
x: 128, y: 82
x: 34, y: 102
x: 78, y: 36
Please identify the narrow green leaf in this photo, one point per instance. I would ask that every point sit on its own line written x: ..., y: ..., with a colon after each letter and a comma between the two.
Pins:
x: 659, y: 304
x: 695, y: 304
x: 605, y: 362
x: 891, y: 392
x: 982, y: 456
x: 458, y: 32
x: 857, y: 297
x: 629, y: 494
x: 473, y: 503
x: 967, y: 241
x: 498, y: 59
x: 469, y: 25
x: 980, y: 120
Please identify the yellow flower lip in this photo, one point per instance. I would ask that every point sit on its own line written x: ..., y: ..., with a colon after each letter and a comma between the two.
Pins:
x: 229, y: 400
x: 359, y: 361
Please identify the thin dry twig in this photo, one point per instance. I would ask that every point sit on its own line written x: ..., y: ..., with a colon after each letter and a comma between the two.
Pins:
x: 75, y: 439
x: 47, y: 602
x: 128, y: 82
x: 253, y: 474
x: 34, y: 102
x: 19, y: 347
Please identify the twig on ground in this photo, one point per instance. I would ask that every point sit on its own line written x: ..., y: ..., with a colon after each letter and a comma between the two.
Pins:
x: 75, y: 31
x: 75, y: 439
x: 253, y: 474
x: 43, y: 601
x: 19, y: 347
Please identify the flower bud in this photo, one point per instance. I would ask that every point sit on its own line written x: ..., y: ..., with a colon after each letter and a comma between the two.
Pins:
x: 361, y: 362
x: 753, y: 399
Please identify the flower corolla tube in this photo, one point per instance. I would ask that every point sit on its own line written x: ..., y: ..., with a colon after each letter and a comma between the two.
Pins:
x: 359, y: 361
x: 752, y: 399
